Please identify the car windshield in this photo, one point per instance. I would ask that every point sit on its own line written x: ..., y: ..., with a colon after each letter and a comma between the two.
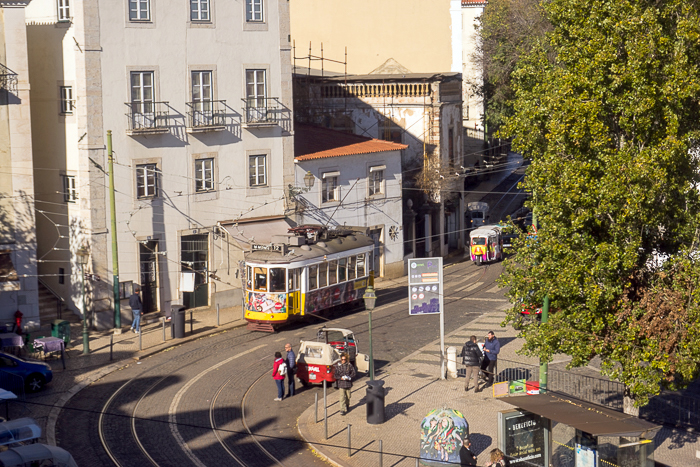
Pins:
x: 478, y: 241
x: 335, y: 336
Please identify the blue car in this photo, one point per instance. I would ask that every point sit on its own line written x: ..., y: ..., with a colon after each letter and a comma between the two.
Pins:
x: 34, y: 374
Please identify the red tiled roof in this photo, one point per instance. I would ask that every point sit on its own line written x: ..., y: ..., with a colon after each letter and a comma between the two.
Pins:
x: 312, y: 142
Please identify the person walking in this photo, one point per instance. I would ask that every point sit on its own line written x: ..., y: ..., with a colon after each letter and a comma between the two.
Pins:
x: 279, y: 375
x: 471, y: 359
x: 344, y: 373
x: 498, y: 459
x: 135, y: 304
x: 291, y: 368
x: 491, y: 349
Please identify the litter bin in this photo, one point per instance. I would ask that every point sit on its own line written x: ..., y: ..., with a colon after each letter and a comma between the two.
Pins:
x: 61, y: 328
x: 375, y: 402
x: 177, y: 322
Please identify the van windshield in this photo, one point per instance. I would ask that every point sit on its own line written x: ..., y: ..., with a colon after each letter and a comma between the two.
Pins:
x: 478, y: 241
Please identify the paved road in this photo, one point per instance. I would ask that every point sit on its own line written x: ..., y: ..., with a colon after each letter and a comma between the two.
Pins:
x: 195, y: 395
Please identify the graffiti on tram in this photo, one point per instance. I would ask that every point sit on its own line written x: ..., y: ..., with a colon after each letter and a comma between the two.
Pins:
x: 267, y: 302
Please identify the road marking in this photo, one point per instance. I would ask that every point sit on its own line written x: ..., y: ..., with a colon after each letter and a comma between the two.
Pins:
x: 172, y: 414
x: 494, y: 289
x: 466, y: 279
x: 476, y: 299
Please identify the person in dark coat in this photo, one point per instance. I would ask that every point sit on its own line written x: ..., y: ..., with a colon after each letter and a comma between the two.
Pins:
x: 344, y: 373
x: 291, y: 368
x: 136, y: 308
x: 492, y: 347
x: 466, y: 456
x: 471, y: 359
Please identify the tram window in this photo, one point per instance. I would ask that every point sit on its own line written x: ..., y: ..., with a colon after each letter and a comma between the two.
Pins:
x: 351, y: 268
x: 260, y: 279
x: 361, y: 265
x: 332, y: 272
x: 277, y: 279
x: 293, y: 279
x: 322, y: 275
x: 342, y: 270
x: 249, y: 278
x: 313, y: 277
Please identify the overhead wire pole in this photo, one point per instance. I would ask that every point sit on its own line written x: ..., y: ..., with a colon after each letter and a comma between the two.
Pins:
x: 115, y: 251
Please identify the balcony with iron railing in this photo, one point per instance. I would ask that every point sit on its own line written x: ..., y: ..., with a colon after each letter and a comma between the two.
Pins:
x: 204, y: 116
x: 260, y: 111
x: 376, y: 90
x: 147, y: 118
x: 8, y: 79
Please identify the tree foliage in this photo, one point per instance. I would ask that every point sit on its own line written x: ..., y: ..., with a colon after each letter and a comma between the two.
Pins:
x: 607, y: 110
x: 507, y: 30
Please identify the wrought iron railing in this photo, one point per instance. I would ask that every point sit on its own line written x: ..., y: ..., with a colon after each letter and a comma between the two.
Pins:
x: 148, y: 116
x: 8, y: 79
x: 260, y: 110
x: 204, y: 114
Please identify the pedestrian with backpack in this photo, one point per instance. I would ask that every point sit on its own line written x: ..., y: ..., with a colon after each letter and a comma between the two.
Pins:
x: 279, y: 373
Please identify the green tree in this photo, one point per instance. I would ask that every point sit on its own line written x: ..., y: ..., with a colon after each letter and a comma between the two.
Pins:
x: 607, y: 110
x: 507, y: 30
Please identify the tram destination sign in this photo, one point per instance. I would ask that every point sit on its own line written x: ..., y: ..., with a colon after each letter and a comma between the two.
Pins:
x: 269, y: 247
x: 424, y: 286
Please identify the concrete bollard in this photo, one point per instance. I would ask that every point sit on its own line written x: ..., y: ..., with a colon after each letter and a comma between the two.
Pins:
x: 452, y: 362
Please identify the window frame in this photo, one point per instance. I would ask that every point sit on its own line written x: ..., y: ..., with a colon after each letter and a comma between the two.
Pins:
x: 63, y: 11
x: 376, y: 181
x: 257, y: 174
x: 204, y: 184
x: 143, y: 101
x: 139, y: 18
x: 70, y: 189
x: 250, y: 12
x: 252, y: 79
x: 155, y: 184
x: 326, y: 190
x: 199, y: 11
x: 67, y: 101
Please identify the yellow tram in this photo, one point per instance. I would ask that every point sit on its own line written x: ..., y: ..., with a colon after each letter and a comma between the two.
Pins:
x: 310, y: 272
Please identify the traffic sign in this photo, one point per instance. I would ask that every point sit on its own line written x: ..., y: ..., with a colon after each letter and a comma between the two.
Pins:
x: 424, y: 286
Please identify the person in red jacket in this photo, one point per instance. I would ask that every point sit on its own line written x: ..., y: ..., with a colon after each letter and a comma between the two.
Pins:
x: 279, y: 378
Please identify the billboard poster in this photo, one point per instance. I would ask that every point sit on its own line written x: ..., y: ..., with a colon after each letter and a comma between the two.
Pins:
x: 424, y: 286
x: 525, y: 439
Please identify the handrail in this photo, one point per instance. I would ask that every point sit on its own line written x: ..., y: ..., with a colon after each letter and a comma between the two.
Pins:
x: 60, y: 301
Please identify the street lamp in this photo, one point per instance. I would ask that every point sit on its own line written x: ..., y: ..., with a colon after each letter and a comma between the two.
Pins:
x: 83, y: 256
x: 308, y: 181
x: 370, y: 299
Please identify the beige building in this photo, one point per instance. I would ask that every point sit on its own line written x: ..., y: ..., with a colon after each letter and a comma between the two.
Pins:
x: 18, y: 273
x: 197, y: 95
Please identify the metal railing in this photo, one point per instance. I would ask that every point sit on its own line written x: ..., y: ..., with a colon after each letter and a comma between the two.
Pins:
x: 8, y: 79
x: 260, y: 110
x: 673, y: 409
x: 147, y: 116
x: 204, y: 114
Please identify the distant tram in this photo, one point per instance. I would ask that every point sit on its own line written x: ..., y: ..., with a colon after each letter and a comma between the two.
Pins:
x: 314, y: 270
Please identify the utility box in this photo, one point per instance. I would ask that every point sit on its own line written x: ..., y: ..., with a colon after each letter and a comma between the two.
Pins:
x: 177, y: 322
x: 61, y: 328
x: 375, y: 402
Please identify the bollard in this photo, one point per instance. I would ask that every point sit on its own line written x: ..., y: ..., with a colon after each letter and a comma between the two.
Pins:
x: 218, y: 322
x: 316, y: 407
x: 452, y: 362
x: 349, y: 441
x: 416, y: 462
x: 325, y: 410
x: 111, y: 345
x: 381, y: 460
x: 163, y: 329
x: 140, y: 341
x: 191, y: 322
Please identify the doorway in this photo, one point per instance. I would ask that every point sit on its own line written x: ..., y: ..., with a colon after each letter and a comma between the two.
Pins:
x: 194, y: 257
x: 376, y: 235
x: 148, y: 266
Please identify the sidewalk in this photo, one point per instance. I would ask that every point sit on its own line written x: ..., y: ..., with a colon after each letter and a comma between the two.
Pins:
x: 413, y: 389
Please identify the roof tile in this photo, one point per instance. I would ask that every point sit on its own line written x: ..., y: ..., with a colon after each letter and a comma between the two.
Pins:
x: 312, y: 142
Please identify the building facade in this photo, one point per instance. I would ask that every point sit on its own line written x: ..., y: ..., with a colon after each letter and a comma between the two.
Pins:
x: 18, y: 243
x: 197, y: 97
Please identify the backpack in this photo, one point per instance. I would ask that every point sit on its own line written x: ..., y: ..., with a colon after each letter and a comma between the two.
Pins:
x: 282, y: 369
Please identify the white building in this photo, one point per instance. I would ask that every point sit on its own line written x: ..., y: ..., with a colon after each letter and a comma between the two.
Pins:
x: 356, y: 182
x: 18, y: 281
x: 197, y: 95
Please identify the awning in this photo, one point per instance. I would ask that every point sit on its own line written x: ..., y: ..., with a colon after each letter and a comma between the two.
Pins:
x: 257, y: 230
x: 591, y: 418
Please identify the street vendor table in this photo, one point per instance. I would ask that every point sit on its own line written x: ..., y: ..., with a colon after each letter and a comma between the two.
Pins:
x: 11, y: 340
x: 51, y: 344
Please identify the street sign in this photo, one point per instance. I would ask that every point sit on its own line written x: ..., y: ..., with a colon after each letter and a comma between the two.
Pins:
x: 424, y: 286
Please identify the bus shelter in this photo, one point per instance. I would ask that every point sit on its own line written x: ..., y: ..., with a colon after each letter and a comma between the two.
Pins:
x: 600, y: 436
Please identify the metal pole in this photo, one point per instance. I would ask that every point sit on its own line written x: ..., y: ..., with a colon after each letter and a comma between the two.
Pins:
x: 115, y: 250
x: 218, y: 321
x: 371, y: 357
x: 111, y: 346
x: 544, y: 366
x: 316, y: 407
x: 140, y: 341
x: 442, y: 326
x: 349, y: 441
x: 325, y: 410
x: 381, y: 454
x: 191, y: 322
x: 86, y: 337
x: 163, y: 329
